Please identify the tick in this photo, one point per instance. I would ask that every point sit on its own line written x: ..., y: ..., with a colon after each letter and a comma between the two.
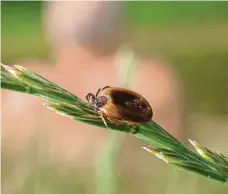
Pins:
x: 121, y: 105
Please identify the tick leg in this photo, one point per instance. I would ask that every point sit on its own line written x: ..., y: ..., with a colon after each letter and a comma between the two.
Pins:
x: 110, y: 120
x: 101, y: 90
x: 88, y: 96
x: 103, y: 119
x: 105, y: 87
x: 98, y: 92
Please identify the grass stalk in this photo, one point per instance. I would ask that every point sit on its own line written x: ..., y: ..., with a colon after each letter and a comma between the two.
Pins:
x: 204, y: 162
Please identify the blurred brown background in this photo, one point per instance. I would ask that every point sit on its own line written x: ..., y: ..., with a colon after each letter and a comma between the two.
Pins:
x: 182, y: 48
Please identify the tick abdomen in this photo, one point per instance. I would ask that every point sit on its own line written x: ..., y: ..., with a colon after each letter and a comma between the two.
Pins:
x: 126, y: 105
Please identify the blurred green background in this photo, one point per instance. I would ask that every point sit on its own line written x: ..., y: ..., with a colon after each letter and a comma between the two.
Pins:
x: 192, y: 36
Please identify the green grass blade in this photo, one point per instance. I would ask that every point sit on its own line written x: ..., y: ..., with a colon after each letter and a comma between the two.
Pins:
x: 204, y: 162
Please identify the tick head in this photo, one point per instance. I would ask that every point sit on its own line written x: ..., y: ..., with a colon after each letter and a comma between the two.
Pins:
x: 100, y: 102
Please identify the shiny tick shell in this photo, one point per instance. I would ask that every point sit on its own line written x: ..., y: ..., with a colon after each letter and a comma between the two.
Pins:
x: 121, y: 105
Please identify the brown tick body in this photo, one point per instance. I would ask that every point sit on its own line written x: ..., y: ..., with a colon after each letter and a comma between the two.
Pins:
x: 121, y: 105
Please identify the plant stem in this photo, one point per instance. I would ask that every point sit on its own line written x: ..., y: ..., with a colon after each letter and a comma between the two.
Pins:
x: 204, y: 162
